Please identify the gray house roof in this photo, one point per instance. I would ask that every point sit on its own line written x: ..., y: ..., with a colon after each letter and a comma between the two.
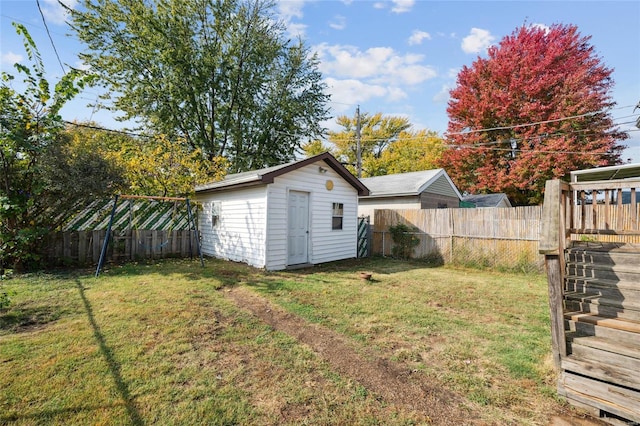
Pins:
x: 267, y: 175
x: 404, y: 184
x: 487, y: 200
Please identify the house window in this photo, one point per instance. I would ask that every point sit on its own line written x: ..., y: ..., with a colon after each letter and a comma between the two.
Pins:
x: 215, y: 214
x: 336, y: 220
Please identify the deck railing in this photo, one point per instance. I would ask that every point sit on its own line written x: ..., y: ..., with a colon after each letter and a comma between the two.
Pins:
x: 598, y: 212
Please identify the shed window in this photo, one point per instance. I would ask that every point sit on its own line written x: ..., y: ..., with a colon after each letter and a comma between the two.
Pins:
x: 336, y: 220
x: 215, y: 214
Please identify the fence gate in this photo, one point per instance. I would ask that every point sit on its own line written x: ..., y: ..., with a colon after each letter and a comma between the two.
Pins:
x: 363, y: 236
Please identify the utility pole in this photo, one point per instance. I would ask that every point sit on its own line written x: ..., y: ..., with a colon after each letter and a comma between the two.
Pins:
x: 358, y: 147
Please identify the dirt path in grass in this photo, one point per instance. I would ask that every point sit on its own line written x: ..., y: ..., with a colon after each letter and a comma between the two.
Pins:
x: 380, y: 376
x: 389, y: 381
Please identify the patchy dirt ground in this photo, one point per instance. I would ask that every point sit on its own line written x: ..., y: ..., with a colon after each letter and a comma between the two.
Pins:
x: 386, y: 379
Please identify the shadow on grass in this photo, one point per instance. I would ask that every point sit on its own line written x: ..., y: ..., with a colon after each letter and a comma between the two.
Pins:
x: 19, y: 318
x: 38, y: 417
x: 375, y: 264
x: 114, y: 366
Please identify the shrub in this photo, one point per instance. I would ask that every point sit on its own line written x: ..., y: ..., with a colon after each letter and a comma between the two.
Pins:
x: 404, y: 240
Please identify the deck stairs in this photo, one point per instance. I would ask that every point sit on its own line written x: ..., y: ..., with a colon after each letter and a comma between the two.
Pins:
x: 601, y: 372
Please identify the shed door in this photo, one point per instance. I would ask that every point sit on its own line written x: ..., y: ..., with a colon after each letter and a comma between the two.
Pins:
x: 298, y: 228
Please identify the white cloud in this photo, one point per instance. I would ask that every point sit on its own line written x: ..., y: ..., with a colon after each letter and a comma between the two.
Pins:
x: 379, y: 5
x: 477, y: 41
x: 11, y: 58
x: 402, y: 6
x: 453, y: 73
x: 289, y: 9
x: 349, y: 92
x: 418, y: 36
x: 339, y: 22
x: 379, y: 65
x: 396, y: 94
x: 81, y: 65
x: 542, y: 27
x: 54, y: 13
x: 443, y: 95
x: 296, y: 29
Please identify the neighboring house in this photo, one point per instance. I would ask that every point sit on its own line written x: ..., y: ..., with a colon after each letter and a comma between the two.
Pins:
x: 488, y: 200
x: 301, y: 213
x: 428, y: 189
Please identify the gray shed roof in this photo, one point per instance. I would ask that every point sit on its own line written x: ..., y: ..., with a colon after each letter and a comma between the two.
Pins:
x: 403, y: 184
x: 268, y: 174
x: 623, y: 171
x: 487, y: 200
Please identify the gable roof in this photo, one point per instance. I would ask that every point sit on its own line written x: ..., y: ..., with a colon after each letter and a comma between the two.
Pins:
x: 268, y: 174
x: 487, y: 200
x: 404, y: 184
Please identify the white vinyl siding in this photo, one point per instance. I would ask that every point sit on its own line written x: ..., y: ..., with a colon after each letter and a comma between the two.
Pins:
x: 240, y: 232
x: 253, y: 221
x: 326, y: 244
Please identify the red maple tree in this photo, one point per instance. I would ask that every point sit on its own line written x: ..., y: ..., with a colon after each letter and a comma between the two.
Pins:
x: 545, y: 94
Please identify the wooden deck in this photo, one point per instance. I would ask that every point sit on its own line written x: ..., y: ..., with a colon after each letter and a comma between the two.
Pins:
x: 594, y: 290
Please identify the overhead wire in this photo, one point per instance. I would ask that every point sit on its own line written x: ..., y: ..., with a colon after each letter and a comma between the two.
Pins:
x: 46, y: 27
x: 636, y: 115
x: 466, y: 132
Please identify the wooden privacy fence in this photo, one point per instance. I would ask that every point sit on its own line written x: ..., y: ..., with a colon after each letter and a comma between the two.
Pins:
x: 493, y: 237
x: 84, y: 247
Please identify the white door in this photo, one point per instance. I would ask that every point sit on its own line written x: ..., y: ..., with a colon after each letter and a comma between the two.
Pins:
x: 298, y: 228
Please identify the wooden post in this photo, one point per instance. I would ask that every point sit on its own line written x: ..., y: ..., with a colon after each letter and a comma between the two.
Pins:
x: 82, y: 247
x: 634, y: 210
x: 552, y: 246
x: 555, y: 279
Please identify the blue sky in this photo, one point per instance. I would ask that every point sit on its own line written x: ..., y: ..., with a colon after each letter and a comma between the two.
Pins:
x: 396, y: 57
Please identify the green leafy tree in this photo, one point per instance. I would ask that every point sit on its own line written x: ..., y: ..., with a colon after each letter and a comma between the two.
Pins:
x: 376, y: 133
x: 315, y: 147
x: 146, y: 165
x: 410, y: 152
x: 167, y: 167
x: 219, y: 74
x: 38, y: 182
x: 387, y: 144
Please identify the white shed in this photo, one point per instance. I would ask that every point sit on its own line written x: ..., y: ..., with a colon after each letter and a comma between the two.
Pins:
x: 300, y: 213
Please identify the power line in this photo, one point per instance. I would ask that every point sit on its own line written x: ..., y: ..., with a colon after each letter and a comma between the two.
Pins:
x: 104, y: 129
x: 348, y: 139
x: 46, y: 27
x: 528, y: 138
x: 476, y: 147
x: 516, y: 126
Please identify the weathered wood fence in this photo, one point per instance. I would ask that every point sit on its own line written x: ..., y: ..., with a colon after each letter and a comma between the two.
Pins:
x: 84, y: 247
x: 492, y: 237
x: 142, y: 228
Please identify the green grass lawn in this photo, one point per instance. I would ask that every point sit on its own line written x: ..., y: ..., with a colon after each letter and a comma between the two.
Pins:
x: 160, y: 343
